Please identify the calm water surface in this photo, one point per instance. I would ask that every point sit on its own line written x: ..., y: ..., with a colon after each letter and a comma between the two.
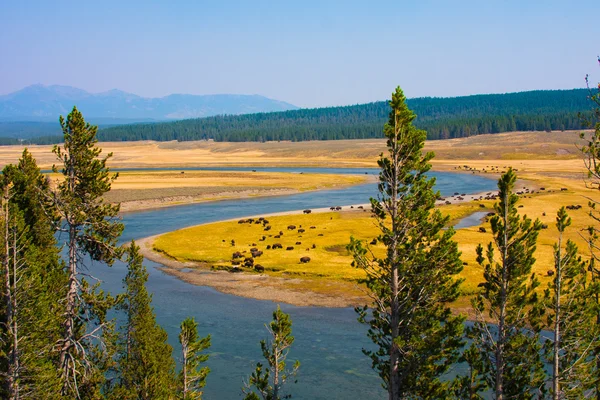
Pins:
x: 328, y: 341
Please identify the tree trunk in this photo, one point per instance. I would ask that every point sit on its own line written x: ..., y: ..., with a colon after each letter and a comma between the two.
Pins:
x: 394, y: 380
x: 555, y: 370
x: 499, y: 389
x: 69, y: 332
x: 276, y: 374
x: 184, y: 351
x: 12, y: 378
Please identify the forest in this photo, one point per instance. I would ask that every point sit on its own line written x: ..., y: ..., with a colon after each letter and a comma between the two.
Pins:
x: 442, y: 118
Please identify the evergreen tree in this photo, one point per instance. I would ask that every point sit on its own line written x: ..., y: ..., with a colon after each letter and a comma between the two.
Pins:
x: 267, y: 383
x: 416, y: 335
x: 569, y: 298
x: 591, y: 154
x: 146, y: 369
x: 32, y: 278
x: 91, y: 228
x: 192, y: 377
x: 510, y: 350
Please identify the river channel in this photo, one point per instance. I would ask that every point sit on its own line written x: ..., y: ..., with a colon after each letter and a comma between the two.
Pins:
x: 328, y: 341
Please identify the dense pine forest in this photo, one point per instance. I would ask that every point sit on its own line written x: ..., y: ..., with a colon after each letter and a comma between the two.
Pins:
x: 442, y: 118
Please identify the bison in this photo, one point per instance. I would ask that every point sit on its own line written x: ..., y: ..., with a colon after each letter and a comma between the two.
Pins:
x: 277, y: 246
x: 259, y: 268
x: 307, y: 211
x: 291, y: 227
x: 305, y: 259
x: 482, y: 229
x: 290, y: 248
x: 301, y: 231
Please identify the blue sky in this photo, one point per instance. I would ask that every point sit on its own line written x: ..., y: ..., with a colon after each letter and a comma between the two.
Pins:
x: 309, y: 53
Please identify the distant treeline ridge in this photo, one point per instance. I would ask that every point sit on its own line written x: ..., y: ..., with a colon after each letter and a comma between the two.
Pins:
x: 442, y: 118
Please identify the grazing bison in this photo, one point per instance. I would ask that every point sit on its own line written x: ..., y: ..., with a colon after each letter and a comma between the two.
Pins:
x: 550, y: 272
x: 301, y: 231
x: 257, y: 253
x: 314, y: 246
x: 307, y: 211
x: 268, y: 228
x: 237, y: 254
x: 277, y: 236
x: 361, y: 207
x: 281, y: 233
x: 253, y: 249
x: 313, y: 227
x: 290, y: 248
x: 249, y: 262
x: 277, y: 246
x: 235, y: 268
x: 482, y: 229
x: 291, y: 227
x: 338, y: 208
x: 305, y: 259
x: 544, y: 226
x: 268, y: 247
x: 259, y: 268
x: 563, y: 189
x: 320, y: 234
x: 332, y: 208
x: 298, y: 243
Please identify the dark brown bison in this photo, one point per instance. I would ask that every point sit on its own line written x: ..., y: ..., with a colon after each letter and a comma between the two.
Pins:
x: 291, y: 227
x: 482, y: 229
x: 305, y: 259
x: 237, y: 254
x: 301, y: 231
x: 259, y: 268
x: 298, y: 243
x: 277, y: 246
x: 290, y: 248
x: 307, y: 211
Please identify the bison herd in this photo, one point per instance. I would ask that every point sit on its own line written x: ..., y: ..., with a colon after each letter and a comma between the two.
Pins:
x: 242, y: 259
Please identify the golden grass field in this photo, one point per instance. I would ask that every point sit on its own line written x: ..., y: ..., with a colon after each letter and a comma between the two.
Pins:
x: 550, y: 160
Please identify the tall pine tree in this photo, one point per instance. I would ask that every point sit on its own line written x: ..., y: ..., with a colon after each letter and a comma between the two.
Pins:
x: 146, y: 369
x: 32, y: 280
x: 268, y: 383
x: 91, y: 229
x: 417, y: 337
x: 570, y: 302
x: 192, y: 377
x: 510, y: 349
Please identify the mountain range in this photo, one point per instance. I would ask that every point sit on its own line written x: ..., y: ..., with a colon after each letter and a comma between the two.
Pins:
x: 45, y: 103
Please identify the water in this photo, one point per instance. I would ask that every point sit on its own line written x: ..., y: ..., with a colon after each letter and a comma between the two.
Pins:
x: 473, y: 219
x: 328, y: 341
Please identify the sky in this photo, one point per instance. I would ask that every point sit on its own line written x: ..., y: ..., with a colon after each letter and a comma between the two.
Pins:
x: 308, y: 53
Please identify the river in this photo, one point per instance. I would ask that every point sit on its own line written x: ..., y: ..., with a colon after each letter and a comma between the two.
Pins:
x: 328, y: 341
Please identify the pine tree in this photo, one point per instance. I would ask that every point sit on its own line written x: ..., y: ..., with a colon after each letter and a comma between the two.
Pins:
x: 91, y: 228
x: 192, y: 377
x: 32, y: 278
x: 569, y: 298
x: 146, y: 369
x: 509, y: 351
x: 416, y: 335
x: 267, y: 383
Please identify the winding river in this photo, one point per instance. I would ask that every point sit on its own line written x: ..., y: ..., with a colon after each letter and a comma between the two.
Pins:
x: 328, y: 341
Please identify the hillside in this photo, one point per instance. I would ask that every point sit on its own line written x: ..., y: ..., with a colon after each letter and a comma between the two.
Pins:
x: 443, y: 118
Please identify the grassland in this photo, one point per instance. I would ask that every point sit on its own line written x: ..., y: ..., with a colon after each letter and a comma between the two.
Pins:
x: 543, y: 160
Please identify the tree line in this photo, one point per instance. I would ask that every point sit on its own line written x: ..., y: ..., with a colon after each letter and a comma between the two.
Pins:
x: 442, y: 118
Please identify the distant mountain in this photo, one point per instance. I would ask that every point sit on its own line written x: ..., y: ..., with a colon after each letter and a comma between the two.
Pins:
x: 45, y: 103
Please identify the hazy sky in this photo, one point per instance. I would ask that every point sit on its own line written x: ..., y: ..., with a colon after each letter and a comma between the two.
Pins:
x: 309, y: 53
